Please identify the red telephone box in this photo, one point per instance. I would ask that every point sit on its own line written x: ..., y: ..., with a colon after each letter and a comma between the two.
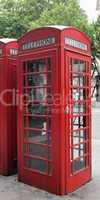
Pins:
x: 8, y: 120
x: 54, y: 118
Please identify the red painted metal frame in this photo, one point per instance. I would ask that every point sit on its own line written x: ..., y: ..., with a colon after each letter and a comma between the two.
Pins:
x: 60, y: 181
x: 8, y: 113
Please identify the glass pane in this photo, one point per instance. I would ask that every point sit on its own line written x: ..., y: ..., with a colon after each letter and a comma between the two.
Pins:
x: 39, y: 109
x: 78, y: 122
x: 76, y: 140
x: 37, y: 80
x: 76, y: 153
x: 78, y: 81
x: 39, y: 123
x: 79, y: 164
x: 78, y: 108
x: 36, y: 164
x: 78, y: 94
x: 36, y: 65
x: 39, y: 150
x: 78, y: 66
x: 38, y: 137
x: 38, y: 94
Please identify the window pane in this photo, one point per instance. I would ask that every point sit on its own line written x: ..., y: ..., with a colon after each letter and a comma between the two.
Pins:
x: 36, y: 164
x: 39, y: 123
x: 79, y: 66
x: 38, y: 137
x: 78, y: 81
x: 38, y: 94
x: 78, y: 108
x: 37, y: 109
x: 36, y: 65
x: 37, y: 80
x: 39, y: 150
x: 78, y: 94
x: 79, y: 164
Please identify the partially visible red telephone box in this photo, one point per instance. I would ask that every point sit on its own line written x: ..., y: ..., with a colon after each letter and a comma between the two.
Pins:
x: 8, y: 118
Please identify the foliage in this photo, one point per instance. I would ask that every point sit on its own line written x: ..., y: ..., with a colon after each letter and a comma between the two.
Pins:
x: 16, y: 15
x: 19, y: 16
x: 97, y: 35
x: 68, y: 14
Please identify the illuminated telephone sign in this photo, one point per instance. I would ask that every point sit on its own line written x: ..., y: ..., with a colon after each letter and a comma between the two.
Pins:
x: 39, y: 43
x: 76, y: 44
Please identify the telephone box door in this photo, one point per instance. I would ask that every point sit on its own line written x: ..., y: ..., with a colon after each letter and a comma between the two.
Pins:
x: 78, y: 120
x: 37, y: 160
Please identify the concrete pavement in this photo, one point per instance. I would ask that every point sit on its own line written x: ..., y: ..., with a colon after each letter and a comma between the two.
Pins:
x: 96, y: 123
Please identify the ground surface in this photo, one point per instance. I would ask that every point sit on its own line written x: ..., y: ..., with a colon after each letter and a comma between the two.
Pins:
x: 10, y: 189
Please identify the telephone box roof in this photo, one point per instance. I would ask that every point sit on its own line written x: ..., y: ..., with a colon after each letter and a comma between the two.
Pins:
x: 60, y: 27
x: 7, y: 40
x: 56, y: 27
